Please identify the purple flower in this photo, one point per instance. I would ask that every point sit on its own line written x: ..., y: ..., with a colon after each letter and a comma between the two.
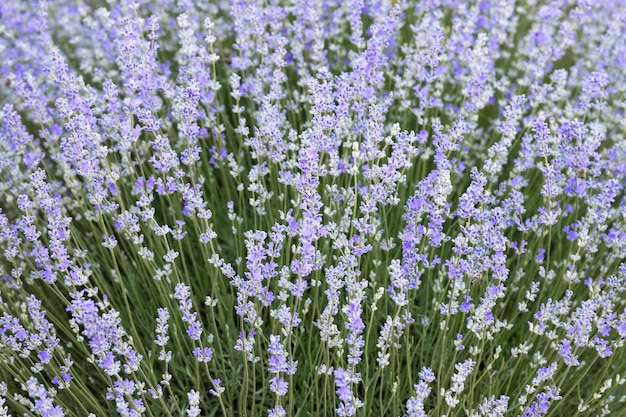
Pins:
x: 182, y: 294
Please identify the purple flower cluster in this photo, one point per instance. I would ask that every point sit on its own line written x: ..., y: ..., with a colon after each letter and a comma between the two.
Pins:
x: 287, y: 208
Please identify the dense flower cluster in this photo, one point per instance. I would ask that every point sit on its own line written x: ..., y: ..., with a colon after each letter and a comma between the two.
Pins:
x: 290, y: 208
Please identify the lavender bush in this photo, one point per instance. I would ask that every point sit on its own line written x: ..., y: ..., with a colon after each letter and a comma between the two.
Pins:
x: 312, y: 208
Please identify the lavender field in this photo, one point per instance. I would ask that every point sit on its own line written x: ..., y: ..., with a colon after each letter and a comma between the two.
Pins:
x: 312, y: 208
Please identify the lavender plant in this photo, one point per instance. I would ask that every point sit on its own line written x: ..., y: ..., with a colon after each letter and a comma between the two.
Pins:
x: 312, y: 208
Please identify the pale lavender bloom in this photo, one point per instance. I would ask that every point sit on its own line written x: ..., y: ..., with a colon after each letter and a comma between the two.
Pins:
x: 329, y: 331
x: 417, y: 207
x: 58, y: 228
x: 42, y: 341
x: 122, y: 390
x: 493, y: 407
x: 482, y: 321
x: 183, y: 294
x: 193, y: 397
x: 593, y: 94
x: 101, y: 332
x: 540, y: 406
x: 463, y: 371
x: 355, y: 326
x: 45, y: 337
x: 279, y: 361
x: 479, y: 76
x: 43, y: 399
x: 21, y: 152
x: 388, y: 338
x: 344, y: 381
x: 415, y: 404
x: 4, y: 410
x: 279, y: 386
x: 245, y: 343
x: 203, y: 355
x: 400, y: 284
x: 218, y: 388
x: 544, y: 374
x: 277, y: 411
